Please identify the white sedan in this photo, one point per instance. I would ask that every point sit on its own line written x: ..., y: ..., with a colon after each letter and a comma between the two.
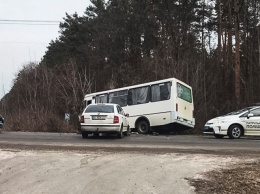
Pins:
x: 104, y: 118
x: 235, y: 124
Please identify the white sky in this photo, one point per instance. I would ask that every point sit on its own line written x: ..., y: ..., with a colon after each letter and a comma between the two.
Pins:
x: 20, y: 44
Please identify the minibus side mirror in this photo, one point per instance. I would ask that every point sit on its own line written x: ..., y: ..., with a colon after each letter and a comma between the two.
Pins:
x: 127, y: 115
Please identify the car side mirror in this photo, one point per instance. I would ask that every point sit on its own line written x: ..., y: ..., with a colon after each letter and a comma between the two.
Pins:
x: 250, y: 115
x: 127, y: 115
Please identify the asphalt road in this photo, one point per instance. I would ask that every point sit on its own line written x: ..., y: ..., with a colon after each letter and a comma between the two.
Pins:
x: 66, y: 163
x: 165, y: 143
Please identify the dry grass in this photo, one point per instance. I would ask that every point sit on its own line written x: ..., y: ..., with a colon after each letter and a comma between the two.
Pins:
x: 39, y: 122
x: 241, y: 179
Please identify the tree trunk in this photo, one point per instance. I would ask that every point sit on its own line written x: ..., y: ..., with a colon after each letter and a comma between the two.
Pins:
x: 230, y: 35
x: 219, y: 31
x: 258, y: 33
x: 237, y: 54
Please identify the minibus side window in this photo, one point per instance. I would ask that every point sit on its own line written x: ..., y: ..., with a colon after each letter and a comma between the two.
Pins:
x: 138, y: 95
x: 160, y: 92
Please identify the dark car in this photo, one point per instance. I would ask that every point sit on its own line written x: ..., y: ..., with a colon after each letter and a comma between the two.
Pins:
x: 1, y: 121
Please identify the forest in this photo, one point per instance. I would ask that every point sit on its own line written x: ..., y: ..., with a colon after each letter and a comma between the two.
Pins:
x: 212, y: 45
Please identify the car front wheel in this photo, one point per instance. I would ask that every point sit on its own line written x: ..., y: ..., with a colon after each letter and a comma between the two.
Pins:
x: 128, y: 132
x: 235, y: 132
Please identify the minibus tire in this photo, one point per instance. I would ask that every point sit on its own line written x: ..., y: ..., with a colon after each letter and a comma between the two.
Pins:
x: 143, y: 127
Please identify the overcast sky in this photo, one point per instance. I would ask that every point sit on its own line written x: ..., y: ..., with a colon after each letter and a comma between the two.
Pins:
x: 23, y: 43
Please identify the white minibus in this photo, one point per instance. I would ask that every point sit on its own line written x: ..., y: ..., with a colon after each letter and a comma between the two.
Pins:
x: 166, y: 103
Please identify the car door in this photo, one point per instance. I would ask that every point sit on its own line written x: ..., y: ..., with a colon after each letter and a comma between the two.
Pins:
x: 123, y: 117
x: 253, y: 123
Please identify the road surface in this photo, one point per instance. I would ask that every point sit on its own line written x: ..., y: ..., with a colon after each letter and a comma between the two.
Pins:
x: 66, y: 163
x: 135, y: 142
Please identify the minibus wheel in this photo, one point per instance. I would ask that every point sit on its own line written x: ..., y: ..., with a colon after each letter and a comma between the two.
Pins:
x: 143, y: 127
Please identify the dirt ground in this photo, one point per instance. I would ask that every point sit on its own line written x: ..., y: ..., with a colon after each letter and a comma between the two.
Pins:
x: 243, y: 178
x: 24, y: 171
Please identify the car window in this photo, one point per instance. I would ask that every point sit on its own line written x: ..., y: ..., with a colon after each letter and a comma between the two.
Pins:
x: 100, y: 108
x: 240, y: 111
x: 256, y: 112
x: 120, y: 110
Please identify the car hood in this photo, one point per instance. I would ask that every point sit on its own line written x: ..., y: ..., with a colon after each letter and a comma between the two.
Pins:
x: 223, y: 118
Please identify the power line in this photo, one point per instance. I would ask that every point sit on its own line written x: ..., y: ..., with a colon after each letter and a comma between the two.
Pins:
x: 31, y: 24
x: 2, y: 42
x: 33, y: 21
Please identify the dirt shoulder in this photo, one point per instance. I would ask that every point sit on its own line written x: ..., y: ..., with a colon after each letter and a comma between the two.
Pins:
x: 102, y: 172
x: 240, y: 179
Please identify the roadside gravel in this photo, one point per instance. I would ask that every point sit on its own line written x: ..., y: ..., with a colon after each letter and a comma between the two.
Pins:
x: 38, y: 171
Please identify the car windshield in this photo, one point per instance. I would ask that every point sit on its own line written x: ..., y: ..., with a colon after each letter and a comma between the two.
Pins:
x: 100, y: 108
x: 240, y: 111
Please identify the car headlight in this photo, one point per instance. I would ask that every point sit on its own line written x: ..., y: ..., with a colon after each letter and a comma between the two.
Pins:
x: 218, y: 122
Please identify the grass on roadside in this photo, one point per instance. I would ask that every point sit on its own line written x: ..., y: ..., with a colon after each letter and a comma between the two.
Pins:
x: 240, y: 179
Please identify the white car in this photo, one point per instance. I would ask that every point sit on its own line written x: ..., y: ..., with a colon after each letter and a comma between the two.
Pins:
x: 104, y: 118
x: 235, y: 124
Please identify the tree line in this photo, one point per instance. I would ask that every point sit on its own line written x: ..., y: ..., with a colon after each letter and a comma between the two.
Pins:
x: 212, y: 45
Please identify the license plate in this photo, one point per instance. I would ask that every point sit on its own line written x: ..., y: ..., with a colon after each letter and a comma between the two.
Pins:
x: 97, y: 117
